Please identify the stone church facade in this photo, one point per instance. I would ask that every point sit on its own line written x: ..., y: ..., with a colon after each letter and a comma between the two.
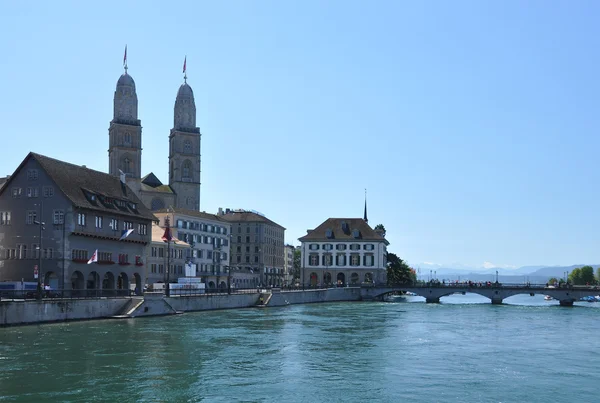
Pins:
x: 125, y: 150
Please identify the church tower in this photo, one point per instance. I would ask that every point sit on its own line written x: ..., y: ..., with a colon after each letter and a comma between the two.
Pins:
x: 125, y: 130
x: 184, y: 150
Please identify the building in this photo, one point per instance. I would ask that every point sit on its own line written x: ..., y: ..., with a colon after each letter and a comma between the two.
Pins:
x: 288, y: 265
x: 343, y: 251
x: 256, y: 246
x: 55, y: 215
x: 156, y: 258
x: 125, y: 149
x: 208, y: 237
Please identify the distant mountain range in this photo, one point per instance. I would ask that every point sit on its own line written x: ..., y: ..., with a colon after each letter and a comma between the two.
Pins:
x: 532, y: 274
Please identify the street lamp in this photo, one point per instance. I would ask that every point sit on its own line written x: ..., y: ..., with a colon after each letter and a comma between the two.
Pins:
x: 228, y: 279
x: 39, y: 277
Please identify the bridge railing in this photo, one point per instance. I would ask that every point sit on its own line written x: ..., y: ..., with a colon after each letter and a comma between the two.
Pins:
x: 463, y: 285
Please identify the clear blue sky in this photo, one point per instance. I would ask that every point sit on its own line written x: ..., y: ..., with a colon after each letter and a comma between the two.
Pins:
x: 473, y: 124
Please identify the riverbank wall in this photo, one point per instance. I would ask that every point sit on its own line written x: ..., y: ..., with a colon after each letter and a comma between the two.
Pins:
x: 15, y: 312
x: 20, y: 312
x: 314, y: 296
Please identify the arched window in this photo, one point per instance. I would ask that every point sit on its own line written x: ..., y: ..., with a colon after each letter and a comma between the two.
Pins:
x: 126, y: 164
x: 186, y: 170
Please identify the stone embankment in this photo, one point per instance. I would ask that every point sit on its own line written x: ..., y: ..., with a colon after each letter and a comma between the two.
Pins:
x: 23, y: 312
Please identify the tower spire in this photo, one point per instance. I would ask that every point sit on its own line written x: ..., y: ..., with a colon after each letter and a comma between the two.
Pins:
x: 185, y: 69
x: 365, y: 217
x: 125, y: 60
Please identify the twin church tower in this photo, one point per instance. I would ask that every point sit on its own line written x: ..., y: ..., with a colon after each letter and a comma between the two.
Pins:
x: 125, y: 149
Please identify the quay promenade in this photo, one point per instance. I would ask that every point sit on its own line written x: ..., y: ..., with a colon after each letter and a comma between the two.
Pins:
x: 20, y: 311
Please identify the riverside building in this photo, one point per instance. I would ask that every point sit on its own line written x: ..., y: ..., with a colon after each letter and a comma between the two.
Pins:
x: 208, y: 237
x: 343, y: 251
x: 53, y: 217
x: 257, y: 245
x: 157, y: 259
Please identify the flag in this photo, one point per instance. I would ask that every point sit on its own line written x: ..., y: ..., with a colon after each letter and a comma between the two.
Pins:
x: 125, y: 57
x: 125, y: 233
x: 184, y: 63
x: 94, y: 257
x: 167, y: 237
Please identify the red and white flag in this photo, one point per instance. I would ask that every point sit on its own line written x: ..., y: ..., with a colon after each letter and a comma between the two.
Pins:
x: 184, y: 63
x: 94, y: 257
x: 125, y: 57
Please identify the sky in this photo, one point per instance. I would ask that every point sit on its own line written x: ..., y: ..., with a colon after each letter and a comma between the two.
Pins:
x: 473, y: 125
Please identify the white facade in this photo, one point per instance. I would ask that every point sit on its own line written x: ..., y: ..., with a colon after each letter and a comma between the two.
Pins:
x: 362, y: 249
x: 209, y: 240
x: 343, y: 251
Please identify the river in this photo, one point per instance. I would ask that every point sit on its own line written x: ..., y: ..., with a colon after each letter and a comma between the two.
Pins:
x: 462, y: 350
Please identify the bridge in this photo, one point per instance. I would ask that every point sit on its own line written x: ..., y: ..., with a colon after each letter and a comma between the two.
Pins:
x: 496, y: 292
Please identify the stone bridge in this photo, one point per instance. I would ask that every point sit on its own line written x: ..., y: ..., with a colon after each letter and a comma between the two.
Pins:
x: 496, y: 292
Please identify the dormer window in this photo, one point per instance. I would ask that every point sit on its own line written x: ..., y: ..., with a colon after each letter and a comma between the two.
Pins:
x: 92, y: 198
x: 356, y: 233
x: 344, y: 226
x: 329, y: 233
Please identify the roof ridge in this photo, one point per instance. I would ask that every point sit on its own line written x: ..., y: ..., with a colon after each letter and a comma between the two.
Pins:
x: 37, y: 156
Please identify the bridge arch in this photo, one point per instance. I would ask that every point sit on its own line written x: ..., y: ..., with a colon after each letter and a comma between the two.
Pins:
x: 496, y: 293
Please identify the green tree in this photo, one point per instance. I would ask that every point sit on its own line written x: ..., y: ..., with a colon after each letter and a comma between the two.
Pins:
x: 552, y: 280
x: 598, y: 275
x: 398, y: 272
x: 296, y: 267
x: 381, y: 227
x: 582, y: 276
x: 587, y: 275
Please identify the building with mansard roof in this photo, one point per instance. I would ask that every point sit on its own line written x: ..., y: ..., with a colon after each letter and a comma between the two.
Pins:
x: 125, y: 149
x: 343, y: 251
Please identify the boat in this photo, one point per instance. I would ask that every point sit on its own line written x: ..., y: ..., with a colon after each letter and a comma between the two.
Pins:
x: 548, y: 298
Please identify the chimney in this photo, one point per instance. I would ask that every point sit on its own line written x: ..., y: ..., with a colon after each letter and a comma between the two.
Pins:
x: 220, y: 211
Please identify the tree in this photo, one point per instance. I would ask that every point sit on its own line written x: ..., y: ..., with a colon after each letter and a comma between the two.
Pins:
x: 381, y: 227
x: 598, y: 275
x: 582, y: 276
x: 297, y: 265
x: 553, y: 280
x: 398, y: 272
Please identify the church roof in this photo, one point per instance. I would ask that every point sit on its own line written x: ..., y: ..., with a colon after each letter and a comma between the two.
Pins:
x: 90, y: 189
x: 341, y: 229
x: 126, y: 80
x: 158, y: 189
x: 185, y: 91
x: 151, y: 180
